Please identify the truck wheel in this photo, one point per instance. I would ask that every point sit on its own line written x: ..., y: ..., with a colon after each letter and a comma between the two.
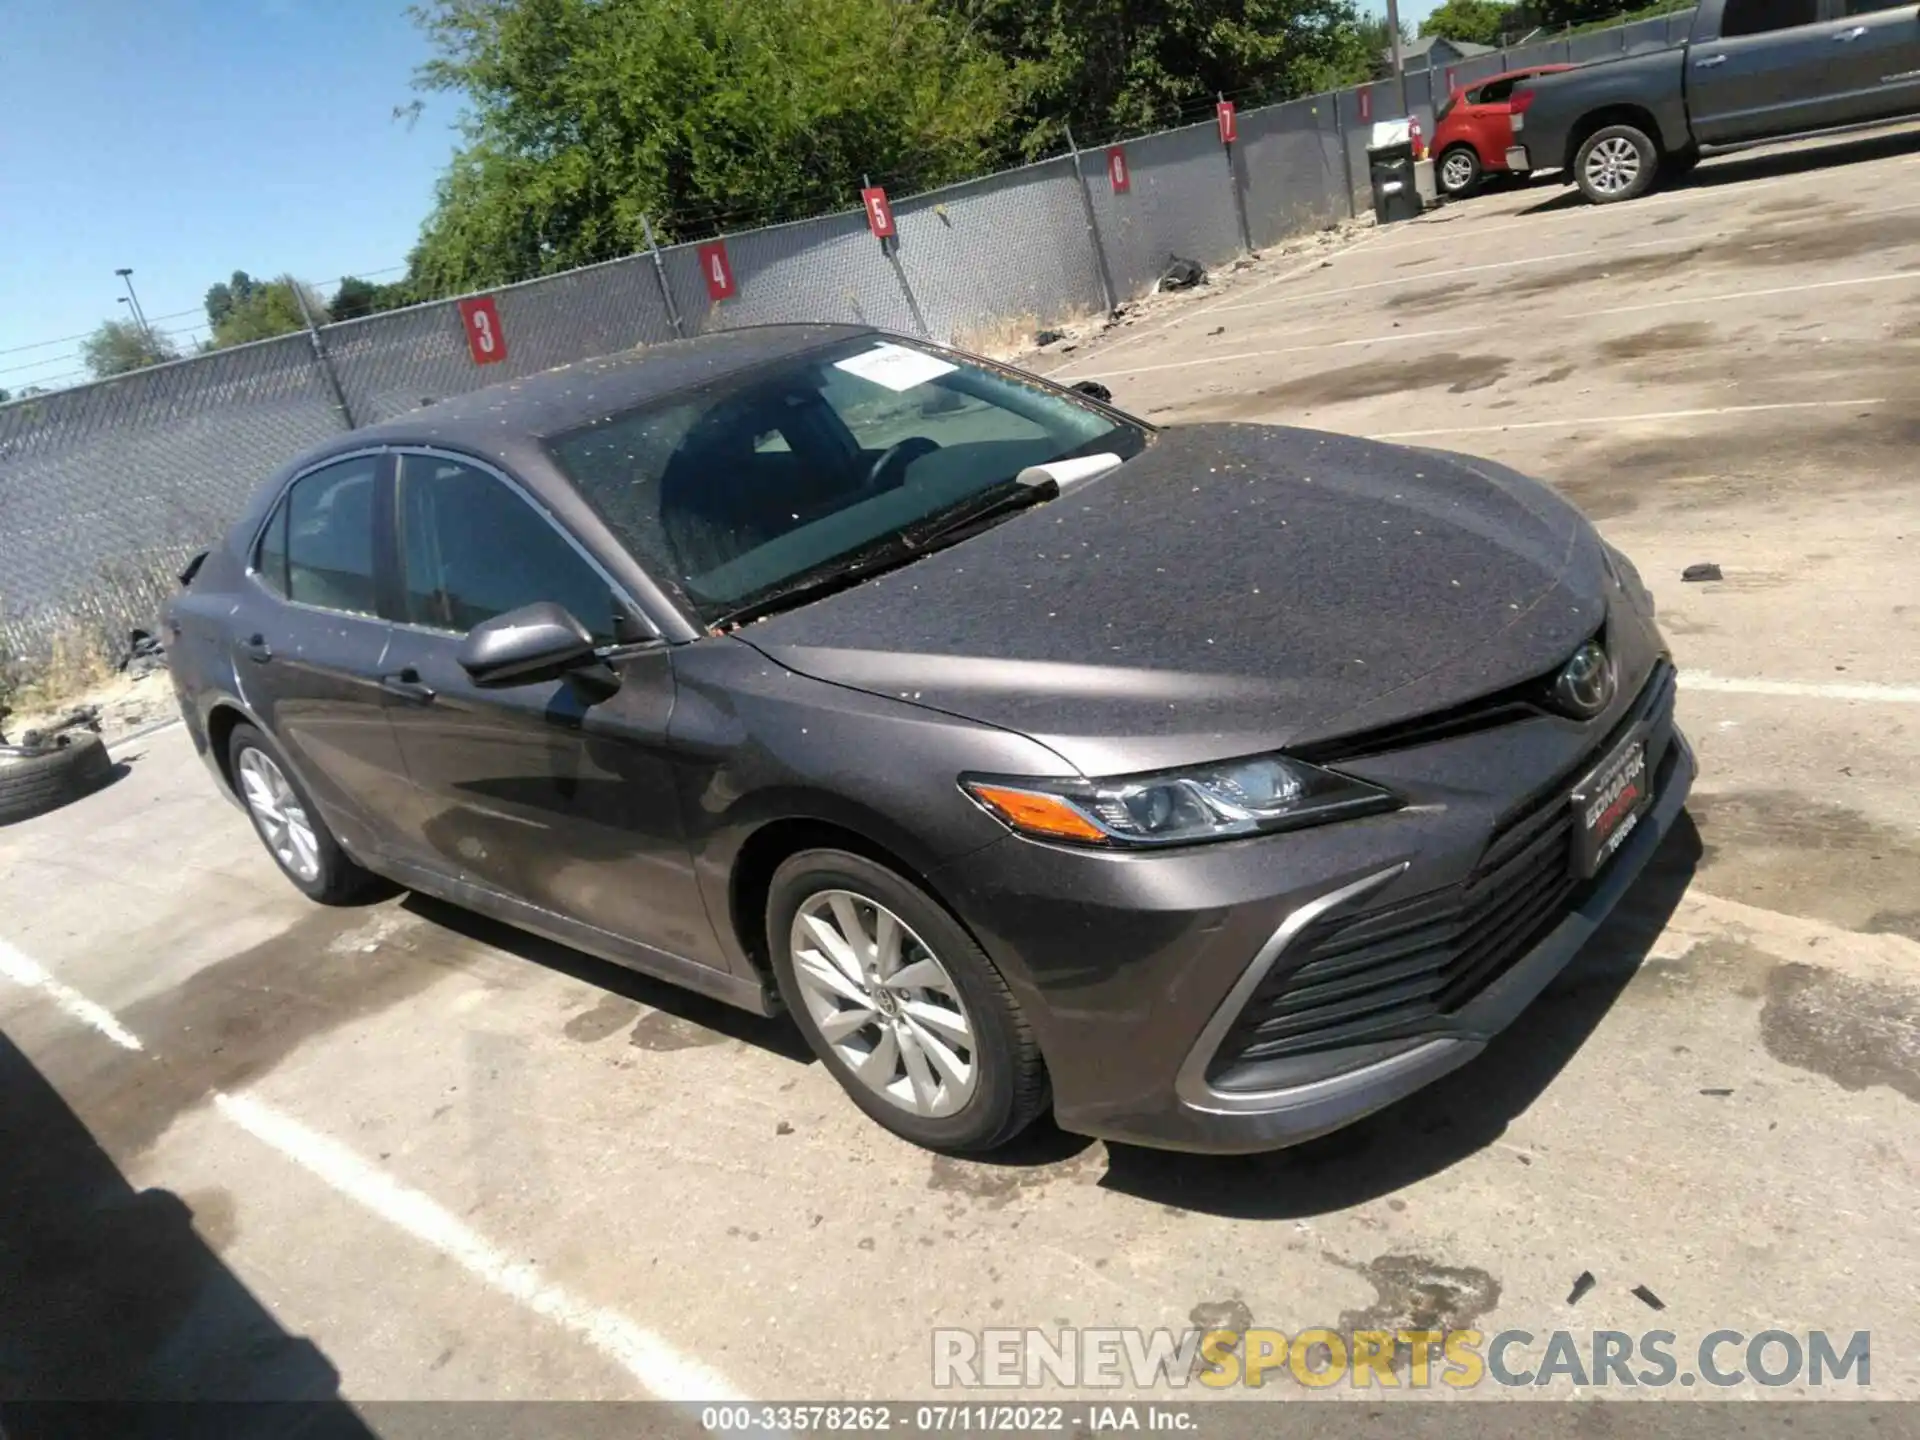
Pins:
x: 1616, y: 163
x: 1458, y: 173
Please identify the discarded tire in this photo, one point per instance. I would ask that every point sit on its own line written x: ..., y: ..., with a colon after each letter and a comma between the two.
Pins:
x: 33, y: 782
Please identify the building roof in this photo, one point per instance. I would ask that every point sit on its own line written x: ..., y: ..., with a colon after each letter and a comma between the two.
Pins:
x: 1420, y: 48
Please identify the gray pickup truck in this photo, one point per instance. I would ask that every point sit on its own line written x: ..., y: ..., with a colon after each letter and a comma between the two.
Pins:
x: 1750, y: 70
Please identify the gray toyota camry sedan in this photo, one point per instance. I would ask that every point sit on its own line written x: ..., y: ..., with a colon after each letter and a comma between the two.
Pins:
x: 1212, y: 786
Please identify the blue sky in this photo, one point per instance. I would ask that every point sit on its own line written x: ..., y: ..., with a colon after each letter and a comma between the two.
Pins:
x: 191, y: 138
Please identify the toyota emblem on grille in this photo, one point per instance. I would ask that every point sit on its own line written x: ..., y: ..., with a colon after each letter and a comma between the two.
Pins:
x: 1585, y: 684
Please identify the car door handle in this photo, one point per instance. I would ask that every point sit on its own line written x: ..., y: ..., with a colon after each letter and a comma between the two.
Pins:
x: 1854, y: 34
x: 1710, y: 62
x: 408, y: 685
x: 256, y: 649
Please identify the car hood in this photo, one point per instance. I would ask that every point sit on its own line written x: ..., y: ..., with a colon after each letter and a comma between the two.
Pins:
x: 1232, y: 589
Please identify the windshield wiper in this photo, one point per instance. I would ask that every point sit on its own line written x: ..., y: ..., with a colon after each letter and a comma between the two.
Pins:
x: 901, y: 548
x: 824, y: 580
x: 1015, y: 494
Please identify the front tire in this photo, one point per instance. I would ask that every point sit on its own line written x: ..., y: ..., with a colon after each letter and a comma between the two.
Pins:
x: 1458, y: 174
x: 1615, y: 163
x: 287, y: 823
x: 901, y: 1004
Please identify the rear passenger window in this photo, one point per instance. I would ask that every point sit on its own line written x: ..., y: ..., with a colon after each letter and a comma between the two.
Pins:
x: 1757, y: 17
x: 1496, y: 91
x: 329, y: 537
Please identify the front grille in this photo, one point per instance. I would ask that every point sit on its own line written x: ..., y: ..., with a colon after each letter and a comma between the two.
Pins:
x: 1397, y: 969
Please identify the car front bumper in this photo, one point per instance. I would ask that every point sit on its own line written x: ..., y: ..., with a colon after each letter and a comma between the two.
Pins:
x: 1134, y: 968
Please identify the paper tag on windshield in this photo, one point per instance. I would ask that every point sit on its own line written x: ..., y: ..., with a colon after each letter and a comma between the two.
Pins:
x: 895, y: 366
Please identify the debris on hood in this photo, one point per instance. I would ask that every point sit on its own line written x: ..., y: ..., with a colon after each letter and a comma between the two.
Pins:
x: 1582, y: 1283
x: 1648, y: 1298
x: 1093, y: 388
x: 1706, y: 570
x: 1180, y: 274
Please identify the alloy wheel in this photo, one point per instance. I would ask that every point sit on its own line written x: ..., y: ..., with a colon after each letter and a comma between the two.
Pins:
x: 281, y: 817
x: 1613, y: 165
x: 885, y: 1003
x: 1456, y: 171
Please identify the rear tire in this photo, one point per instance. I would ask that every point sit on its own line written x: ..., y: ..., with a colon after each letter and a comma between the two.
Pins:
x: 971, y: 1079
x: 289, y: 825
x: 1615, y: 163
x: 1458, y: 173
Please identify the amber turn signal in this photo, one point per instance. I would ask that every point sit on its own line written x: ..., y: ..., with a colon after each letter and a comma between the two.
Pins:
x: 1036, y: 813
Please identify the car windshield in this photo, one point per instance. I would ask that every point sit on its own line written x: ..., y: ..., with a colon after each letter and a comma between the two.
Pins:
x: 793, y: 470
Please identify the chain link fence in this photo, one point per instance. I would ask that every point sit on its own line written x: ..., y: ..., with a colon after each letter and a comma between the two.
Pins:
x: 109, y: 487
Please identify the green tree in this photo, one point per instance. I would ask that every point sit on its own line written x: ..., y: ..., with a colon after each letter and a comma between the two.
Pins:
x: 224, y: 296
x: 246, y: 309
x: 357, y: 298
x: 584, y: 114
x: 1109, y: 67
x: 122, y: 345
x: 1481, y: 22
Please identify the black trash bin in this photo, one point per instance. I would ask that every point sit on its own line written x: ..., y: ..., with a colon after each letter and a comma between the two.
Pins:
x: 1396, y: 193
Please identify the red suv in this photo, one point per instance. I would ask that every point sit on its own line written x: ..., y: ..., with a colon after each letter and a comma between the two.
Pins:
x: 1474, y: 129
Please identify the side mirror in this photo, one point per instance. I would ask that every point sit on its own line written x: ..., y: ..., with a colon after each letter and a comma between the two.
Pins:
x: 535, y: 643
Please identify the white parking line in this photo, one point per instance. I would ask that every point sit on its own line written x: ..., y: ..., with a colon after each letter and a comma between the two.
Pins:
x: 664, y: 1371
x: 29, y: 974
x: 1670, y: 242
x: 1903, y: 277
x: 1899, y: 277
x: 1730, y: 190
x: 1579, y: 421
x: 1801, y: 689
x: 658, y: 1366
x: 1299, y: 349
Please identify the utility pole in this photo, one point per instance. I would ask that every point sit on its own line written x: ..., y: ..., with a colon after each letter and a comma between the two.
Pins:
x: 1399, y: 60
x: 126, y: 277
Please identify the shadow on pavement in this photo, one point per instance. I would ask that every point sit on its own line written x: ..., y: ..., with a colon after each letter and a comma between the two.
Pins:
x: 1458, y: 1115
x: 777, y: 1036
x: 1756, y: 165
x: 108, y: 1296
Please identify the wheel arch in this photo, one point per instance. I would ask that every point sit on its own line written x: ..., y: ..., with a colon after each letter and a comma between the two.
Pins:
x: 1638, y: 116
x: 223, y: 718
x: 775, y: 841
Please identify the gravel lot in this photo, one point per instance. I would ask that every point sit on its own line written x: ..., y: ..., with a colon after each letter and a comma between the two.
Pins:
x: 465, y: 1163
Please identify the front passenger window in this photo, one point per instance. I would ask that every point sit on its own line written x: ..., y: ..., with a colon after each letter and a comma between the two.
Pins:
x: 472, y: 549
x: 329, y: 537
x: 1758, y: 17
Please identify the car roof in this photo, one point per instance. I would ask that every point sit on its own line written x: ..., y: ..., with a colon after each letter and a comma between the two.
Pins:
x: 498, y: 422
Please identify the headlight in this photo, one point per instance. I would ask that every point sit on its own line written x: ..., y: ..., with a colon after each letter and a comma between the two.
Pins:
x: 1178, y: 807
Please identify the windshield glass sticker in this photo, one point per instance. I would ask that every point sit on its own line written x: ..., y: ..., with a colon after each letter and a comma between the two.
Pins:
x: 895, y: 366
